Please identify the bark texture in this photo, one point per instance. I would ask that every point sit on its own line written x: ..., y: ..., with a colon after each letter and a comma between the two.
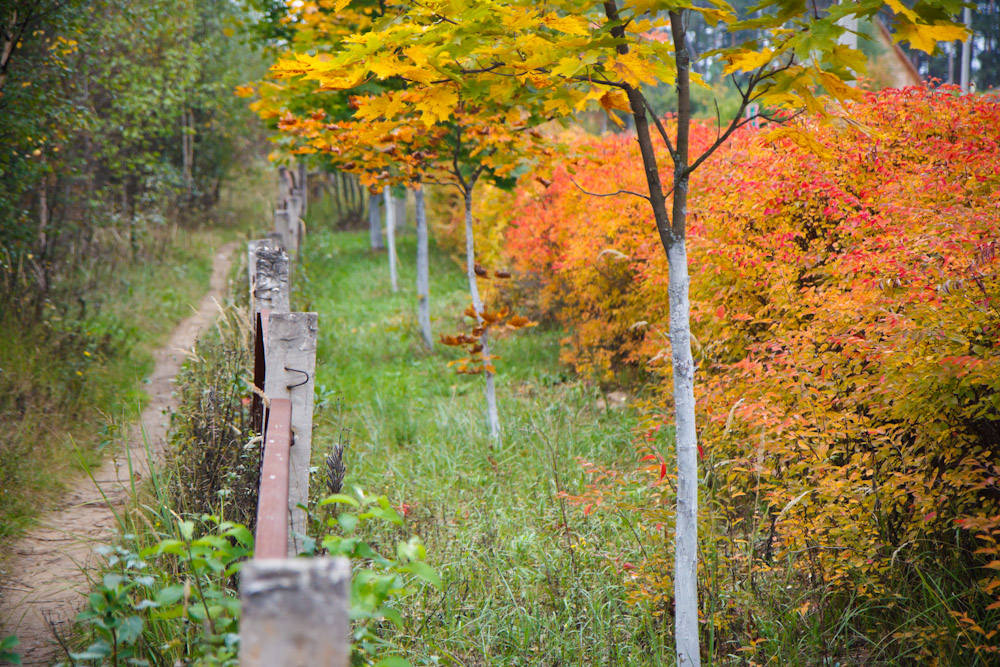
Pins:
x: 390, y: 235
x: 423, y: 272
x: 672, y: 227
x: 374, y: 222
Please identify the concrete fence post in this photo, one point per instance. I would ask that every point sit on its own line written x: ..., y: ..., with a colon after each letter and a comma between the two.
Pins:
x: 295, y: 211
x: 252, y: 247
x: 290, y: 363
x: 295, y: 613
x: 283, y: 227
x: 284, y: 185
x: 270, y: 286
x: 302, y: 185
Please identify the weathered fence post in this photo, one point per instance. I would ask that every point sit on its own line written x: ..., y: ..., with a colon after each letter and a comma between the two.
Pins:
x: 295, y: 209
x: 295, y: 613
x: 290, y: 364
x: 252, y: 247
x: 301, y: 185
x: 283, y: 227
x: 284, y: 184
x: 270, y: 286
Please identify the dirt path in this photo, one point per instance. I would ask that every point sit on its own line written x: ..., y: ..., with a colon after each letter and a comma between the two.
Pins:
x: 45, y: 581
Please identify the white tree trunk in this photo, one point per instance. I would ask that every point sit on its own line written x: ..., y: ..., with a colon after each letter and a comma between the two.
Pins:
x: 477, y: 303
x: 686, y: 536
x: 390, y: 234
x: 374, y: 219
x: 423, y: 271
x: 967, y: 51
x: 401, y: 211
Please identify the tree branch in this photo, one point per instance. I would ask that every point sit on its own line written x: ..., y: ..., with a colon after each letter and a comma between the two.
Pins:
x: 607, y: 194
x: 659, y: 125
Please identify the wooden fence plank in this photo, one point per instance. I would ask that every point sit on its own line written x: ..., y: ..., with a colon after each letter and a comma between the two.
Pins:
x: 290, y: 373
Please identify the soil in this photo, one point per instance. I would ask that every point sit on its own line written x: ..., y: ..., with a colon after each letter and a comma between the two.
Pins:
x: 47, y: 573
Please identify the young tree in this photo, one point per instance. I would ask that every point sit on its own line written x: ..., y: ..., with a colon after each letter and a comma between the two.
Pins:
x: 444, y: 142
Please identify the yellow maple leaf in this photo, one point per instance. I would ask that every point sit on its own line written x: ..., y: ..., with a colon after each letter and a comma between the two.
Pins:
x: 925, y: 37
x: 571, y: 25
x: 746, y: 60
x: 615, y: 99
x: 633, y: 69
x: 838, y: 88
x: 899, y: 8
x: 437, y: 106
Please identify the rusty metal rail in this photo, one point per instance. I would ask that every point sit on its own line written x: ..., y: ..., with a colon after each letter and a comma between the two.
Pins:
x: 272, y: 503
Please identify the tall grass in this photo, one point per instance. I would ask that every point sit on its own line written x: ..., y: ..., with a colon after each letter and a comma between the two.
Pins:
x: 73, y: 368
x: 528, y: 578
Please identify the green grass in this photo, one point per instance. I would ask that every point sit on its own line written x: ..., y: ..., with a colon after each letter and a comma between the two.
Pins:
x: 74, y: 375
x: 528, y: 578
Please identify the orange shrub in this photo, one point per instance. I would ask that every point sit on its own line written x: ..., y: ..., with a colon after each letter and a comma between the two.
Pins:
x: 845, y: 319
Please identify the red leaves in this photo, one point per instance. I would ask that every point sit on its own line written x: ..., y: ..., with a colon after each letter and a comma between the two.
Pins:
x: 473, y: 341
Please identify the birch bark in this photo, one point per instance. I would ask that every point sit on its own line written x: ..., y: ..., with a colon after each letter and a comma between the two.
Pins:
x: 390, y: 234
x: 374, y: 220
x: 672, y: 229
x: 423, y: 272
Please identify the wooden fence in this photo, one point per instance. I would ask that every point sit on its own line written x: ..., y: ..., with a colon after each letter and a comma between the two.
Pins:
x: 294, y: 610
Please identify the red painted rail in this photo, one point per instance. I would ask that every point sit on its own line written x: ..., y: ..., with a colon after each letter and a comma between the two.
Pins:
x: 272, y: 503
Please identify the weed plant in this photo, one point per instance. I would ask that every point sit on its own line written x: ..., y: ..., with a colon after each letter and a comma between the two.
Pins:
x: 213, y: 454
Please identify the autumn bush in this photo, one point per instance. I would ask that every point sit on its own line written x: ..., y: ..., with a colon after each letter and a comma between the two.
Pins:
x: 844, y: 310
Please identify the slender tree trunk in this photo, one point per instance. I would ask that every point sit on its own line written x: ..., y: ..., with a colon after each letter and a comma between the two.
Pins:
x: 374, y: 222
x: 966, y: 70
x: 686, y: 556
x: 672, y: 229
x: 43, y: 218
x: 477, y: 303
x: 340, y: 185
x: 423, y: 271
x: 401, y: 211
x: 390, y: 234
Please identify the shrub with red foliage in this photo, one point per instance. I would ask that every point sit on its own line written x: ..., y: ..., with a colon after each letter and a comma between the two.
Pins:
x: 845, y: 319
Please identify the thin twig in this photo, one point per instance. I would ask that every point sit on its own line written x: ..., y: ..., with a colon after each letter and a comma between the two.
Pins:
x: 607, y: 194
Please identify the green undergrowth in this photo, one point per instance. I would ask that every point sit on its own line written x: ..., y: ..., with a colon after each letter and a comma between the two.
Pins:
x: 528, y: 577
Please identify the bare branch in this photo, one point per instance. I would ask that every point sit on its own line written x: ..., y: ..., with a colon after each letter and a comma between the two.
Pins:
x: 608, y: 194
x: 659, y: 125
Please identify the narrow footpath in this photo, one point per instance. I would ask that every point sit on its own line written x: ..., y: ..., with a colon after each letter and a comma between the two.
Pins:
x: 46, y: 578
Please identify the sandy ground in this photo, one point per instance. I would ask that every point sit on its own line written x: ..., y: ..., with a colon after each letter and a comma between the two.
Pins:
x: 46, y: 578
